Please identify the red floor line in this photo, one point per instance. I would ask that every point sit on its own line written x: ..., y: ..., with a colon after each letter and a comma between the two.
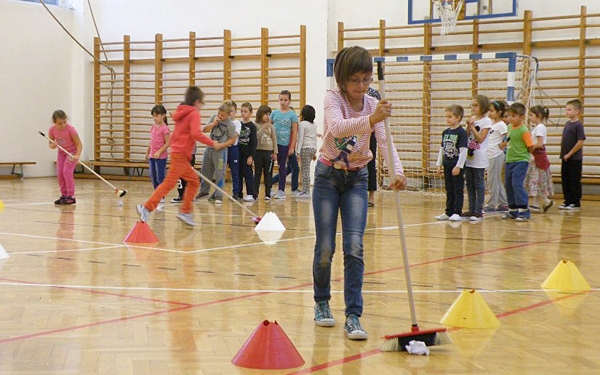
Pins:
x: 116, y: 320
x: 99, y: 292
x: 473, y: 254
x: 370, y: 353
x: 83, y: 326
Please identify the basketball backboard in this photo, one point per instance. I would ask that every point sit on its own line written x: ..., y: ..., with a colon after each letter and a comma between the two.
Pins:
x: 424, y: 11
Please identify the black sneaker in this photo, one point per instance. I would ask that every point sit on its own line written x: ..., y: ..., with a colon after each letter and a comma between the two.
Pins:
x: 176, y: 200
x: 70, y: 200
x: 60, y: 200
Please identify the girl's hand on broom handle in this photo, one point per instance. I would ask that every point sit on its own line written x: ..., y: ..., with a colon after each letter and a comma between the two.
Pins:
x: 399, y: 182
x: 382, y: 111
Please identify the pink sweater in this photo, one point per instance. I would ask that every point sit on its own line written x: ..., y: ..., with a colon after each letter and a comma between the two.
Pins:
x: 346, y: 133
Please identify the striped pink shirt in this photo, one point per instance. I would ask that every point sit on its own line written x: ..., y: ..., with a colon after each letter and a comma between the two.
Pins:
x: 346, y: 133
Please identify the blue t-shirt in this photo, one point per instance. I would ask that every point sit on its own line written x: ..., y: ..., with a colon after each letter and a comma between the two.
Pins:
x: 282, y: 122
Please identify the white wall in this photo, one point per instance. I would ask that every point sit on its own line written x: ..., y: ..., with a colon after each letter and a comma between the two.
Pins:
x: 36, y: 61
x: 43, y: 69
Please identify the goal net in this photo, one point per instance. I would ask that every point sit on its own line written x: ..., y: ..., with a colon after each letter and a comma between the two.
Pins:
x: 422, y: 87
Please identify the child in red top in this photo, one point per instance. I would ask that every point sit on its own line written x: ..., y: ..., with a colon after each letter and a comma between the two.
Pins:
x: 65, y: 135
x: 186, y: 133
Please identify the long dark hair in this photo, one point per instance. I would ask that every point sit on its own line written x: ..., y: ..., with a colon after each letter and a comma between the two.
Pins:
x: 159, y: 110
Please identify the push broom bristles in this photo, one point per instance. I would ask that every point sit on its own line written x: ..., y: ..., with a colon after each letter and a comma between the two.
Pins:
x: 398, y: 342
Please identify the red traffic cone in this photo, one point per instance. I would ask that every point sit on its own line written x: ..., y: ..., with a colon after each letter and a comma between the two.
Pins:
x: 268, y: 348
x: 141, y: 233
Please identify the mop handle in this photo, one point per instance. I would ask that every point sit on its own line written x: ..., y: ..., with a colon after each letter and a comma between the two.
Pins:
x: 208, y: 181
x: 79, y: 161
x: 392, y: 168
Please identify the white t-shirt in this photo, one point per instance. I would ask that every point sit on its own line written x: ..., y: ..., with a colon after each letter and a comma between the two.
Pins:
x: 539, y: 131
x: 477, y: 152
x: 238, y: 129
x: 495, y: 137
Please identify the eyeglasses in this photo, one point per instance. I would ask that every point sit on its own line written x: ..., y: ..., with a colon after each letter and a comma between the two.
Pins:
x: 357, y: 81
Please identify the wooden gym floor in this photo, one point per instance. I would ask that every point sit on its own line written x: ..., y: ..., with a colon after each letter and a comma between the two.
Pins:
x: 76, y: 300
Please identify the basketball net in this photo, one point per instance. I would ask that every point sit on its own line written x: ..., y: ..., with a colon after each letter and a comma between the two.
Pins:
x: 448, y: 11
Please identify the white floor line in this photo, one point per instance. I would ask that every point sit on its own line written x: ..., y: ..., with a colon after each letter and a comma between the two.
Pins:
x: 279, y: 291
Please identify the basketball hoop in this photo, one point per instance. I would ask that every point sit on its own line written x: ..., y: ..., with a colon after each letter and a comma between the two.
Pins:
x: 448, y: 11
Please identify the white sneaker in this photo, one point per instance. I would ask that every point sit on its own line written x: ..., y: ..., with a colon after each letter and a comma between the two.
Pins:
x: 442, y: 217
x: 248, y: 198
x: 279, y: 195
x: 162, y: 200
x: 143, y: 212
x: 186, y: 218
x: 218, y: 201
x: 455, y: 217
x: 295, y: 193
x: 267, y: 198
x: 303, y: 195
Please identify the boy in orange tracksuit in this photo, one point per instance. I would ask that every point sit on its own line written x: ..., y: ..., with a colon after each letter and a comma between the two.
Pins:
x: 186, y: 133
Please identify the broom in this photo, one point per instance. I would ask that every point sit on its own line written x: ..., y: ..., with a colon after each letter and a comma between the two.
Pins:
x: 398, y: 342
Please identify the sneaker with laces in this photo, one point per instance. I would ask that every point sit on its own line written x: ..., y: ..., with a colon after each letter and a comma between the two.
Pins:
x: 476, y: 217
x: 573, y: 207
x: 176, y: 200
x: 303, y: 195
x: 443, y: 217
x: 186, y: 218
x: 70, y: 200
x: 466, y: 215
x: 248, y: 198
x: 511, y: 214
x: 535, y: 208
x: 279, y: 195
x: 523, y: 214
x: 563, y: 206
x: 353, y: 329
x: 547, y: 206
x: 323, y: 316
x: 143, y: 212
x: 295, y: 193
x: 455, y: 217
x: 60, y: 200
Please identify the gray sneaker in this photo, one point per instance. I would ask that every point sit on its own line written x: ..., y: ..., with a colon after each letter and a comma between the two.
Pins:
x: 323, y: 316
x: 353, y: 329
x: 143, y: 212
x: 186, y: 218
x: 279, y: 195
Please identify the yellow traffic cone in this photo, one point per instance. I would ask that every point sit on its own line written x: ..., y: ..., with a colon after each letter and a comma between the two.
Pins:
x: 566, y: 278
x: 470, y: 311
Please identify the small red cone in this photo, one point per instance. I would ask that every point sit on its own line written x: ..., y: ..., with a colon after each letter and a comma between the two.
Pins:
x: 141, y: 233
x: 268, y: 348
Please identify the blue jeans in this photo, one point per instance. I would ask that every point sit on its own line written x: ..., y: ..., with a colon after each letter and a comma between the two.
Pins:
x: 157, y: 171
x: 475, y: 188
x: 515, y: 174
x: 336, y: 191
x: 233, y: 156
x: 291, y: 167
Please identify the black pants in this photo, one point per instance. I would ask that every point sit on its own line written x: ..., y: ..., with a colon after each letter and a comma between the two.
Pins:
x: 570, y: 174
x: 181, y: 183
x: 455, y: 186
x: 263, y: 167
x: 371, y: 168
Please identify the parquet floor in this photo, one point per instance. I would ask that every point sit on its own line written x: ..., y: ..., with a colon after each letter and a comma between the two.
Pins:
x: 76, y: 300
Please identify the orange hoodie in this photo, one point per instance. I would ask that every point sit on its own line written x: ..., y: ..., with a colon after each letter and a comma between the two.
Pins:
x: 187, y: 131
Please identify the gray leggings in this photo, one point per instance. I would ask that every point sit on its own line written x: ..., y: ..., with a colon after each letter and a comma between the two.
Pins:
x: 306, y: 155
